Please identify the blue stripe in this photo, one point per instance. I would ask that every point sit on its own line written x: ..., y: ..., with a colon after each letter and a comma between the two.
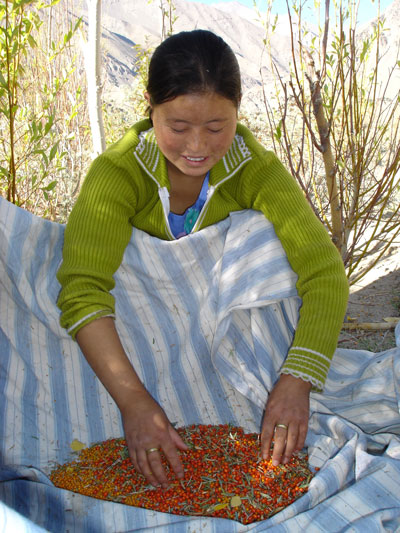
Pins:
x: 91, y: 405
x: 15, y: 262
x: 5, y: 354
x: 256, y: 241
x: 281, y: 333
x: 28, y: 399
x: 56, y: 512
x: 58, y: 388
x: 22, y: 498
x: 127, y: 313
x: 264, y: 272
x: 49, y: 239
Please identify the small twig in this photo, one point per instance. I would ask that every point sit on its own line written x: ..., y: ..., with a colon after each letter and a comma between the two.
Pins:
x: 376, y: 326
x: 362, y: 303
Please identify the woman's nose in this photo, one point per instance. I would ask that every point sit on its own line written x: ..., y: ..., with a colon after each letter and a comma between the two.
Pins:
x: 196, y: 143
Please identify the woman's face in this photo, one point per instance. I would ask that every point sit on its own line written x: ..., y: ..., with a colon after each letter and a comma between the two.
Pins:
x: 194, y: 131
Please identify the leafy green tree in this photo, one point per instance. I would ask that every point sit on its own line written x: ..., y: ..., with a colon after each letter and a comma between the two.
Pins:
x: 35, y: 72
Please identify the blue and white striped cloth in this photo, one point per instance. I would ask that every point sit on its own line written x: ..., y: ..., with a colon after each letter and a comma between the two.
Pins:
x: 207, y: 321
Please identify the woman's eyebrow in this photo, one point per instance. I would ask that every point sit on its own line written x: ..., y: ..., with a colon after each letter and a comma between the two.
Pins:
x: 178, y: 120
x: 183, y: 121
x: 217, y: 120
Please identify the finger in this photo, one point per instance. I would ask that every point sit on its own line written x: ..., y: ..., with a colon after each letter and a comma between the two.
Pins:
x: 301, y: 437
x: 267, y: 435
x: 133, y: 457
x: 279, y: 444
x: 174, y: 460
x: 151, y: 467
x: 177, y: 440
x: 291, y: 442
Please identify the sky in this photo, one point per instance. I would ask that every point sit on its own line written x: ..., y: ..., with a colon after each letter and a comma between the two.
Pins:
x: 368, y: 8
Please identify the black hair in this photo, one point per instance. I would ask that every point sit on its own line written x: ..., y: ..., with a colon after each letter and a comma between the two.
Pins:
x: 193, y: 62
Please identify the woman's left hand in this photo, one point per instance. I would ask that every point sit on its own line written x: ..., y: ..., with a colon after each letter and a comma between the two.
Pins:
x: 285, y: 419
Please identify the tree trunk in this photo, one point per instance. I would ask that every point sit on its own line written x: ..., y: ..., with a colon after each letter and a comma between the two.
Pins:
x: 93, y: 74
x: 330, y: 167
x: 324, y: 130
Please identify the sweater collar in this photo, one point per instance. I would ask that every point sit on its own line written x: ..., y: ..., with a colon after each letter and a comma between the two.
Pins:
x: 154, y: 164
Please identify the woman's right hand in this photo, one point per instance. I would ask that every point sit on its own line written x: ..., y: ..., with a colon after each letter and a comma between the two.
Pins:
x: 147, y: 427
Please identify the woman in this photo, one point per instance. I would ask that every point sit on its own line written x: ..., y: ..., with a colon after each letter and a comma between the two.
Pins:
x: 186, y: 168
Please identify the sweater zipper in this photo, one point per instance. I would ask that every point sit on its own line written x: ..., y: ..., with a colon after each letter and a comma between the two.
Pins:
x: 164, y: 197
x: 210, y: 193
x: 163, y: 194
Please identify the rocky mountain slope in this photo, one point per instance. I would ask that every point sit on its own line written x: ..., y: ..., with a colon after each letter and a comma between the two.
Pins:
x: 126, y: 23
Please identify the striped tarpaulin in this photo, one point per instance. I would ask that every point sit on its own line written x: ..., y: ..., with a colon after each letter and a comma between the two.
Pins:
x: 207, y: 321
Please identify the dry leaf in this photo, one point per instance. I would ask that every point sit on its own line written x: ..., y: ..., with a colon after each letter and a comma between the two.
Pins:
x: 220, y: 506
x: 77, y: 445
x: 235, y: 501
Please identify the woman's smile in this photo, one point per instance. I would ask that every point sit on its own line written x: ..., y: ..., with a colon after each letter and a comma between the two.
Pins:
x: 195, y: 159
x: 195, y: 162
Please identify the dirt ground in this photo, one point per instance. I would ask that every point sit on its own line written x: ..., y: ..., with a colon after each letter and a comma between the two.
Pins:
x: 373, y: 299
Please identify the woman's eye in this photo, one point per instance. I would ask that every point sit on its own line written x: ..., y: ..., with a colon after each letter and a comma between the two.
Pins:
x: 211, y: 130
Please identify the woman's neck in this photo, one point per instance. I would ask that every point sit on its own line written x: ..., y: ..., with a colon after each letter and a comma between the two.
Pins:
x: 184, y: 190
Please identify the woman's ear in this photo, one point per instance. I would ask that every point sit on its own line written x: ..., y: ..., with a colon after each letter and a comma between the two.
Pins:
x: 147, y: 97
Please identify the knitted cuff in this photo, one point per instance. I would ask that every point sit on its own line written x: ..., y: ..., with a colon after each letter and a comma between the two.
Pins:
x: 308, y: 365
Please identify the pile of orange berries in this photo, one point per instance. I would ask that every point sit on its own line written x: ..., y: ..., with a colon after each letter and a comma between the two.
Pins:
x: 224, y: 476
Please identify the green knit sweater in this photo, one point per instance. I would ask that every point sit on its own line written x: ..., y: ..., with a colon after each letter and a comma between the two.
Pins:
x: 128, y: 186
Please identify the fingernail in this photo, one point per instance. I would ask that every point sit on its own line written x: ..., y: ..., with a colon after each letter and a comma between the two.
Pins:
x: 275, y: 462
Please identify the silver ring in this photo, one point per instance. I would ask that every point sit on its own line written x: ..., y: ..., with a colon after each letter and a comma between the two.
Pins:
x: 151, y: 450
x: 283, y: 426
